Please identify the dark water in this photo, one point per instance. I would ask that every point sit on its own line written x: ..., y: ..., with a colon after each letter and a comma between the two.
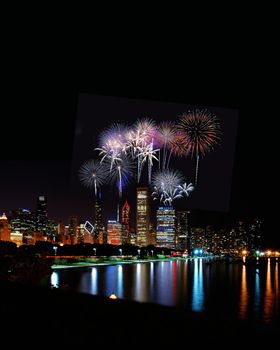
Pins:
x: 237, y: 291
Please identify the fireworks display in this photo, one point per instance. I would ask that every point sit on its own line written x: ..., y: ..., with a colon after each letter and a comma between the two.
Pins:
x: 201, y: 131
x: 92, y: 174
x: 120, y: 174
x: 125, y: 151
x: 168, y: 186
x: 166, y: 137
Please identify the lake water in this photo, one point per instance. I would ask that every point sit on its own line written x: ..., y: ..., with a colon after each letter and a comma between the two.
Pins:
x: 222, y: 290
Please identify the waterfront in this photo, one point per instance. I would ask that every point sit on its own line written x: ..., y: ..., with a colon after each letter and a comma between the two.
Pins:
x: 222, y: 290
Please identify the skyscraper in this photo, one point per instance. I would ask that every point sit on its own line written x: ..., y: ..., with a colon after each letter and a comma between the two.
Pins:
x: 142, y: 216
x: 98, y: 219
x: 114, y: 232
x: 73, y: 229
x: 255, y: 235
x: 182, y: 229
x: 126, y: 222
x: 41, y: 217
x: 22, y: 221
x: 166, y: 227
x: 5, y: 230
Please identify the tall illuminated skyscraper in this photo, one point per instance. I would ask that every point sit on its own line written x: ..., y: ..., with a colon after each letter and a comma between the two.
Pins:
x: 166, y: 227
x: 182, y: 229
x: 142, y: 216
x: 126, y: 222
x: 98, y: 219
x: 73, y: 229
x: 41, y: 214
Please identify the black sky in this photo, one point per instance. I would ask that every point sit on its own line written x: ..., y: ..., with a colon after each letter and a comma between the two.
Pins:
x: 37, y: 131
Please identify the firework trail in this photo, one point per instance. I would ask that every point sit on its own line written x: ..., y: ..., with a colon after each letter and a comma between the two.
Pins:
x: 166, y: 135
x: 120, y: 173
x: 112, y: 143
x: 92, y: 174
x: 148, y: 154
x: 202, y: 132
x: 146, y: 130
x: 139, y: 144
x: 186, y: 189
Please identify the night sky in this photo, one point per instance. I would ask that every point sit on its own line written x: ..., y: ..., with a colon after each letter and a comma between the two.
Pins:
x: 39, y: 129
x: 96, y: 113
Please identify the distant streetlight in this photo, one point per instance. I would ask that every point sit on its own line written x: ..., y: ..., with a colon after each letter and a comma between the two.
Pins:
x: 139, y: 252
x: 55, y: 249
x: 120, y: 250
x: 94, y: 249
x: 152, y: 252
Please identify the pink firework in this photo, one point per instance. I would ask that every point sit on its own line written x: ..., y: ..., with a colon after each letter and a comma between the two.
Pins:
x: 145, y: 131
x: 114, y: 136
x: 112, y: 143
x: 166, y: 134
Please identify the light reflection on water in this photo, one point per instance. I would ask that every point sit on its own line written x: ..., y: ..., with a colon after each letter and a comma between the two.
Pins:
x: 276, y: 278
x: 198, y: 292
x: 257, y: 304
x: 269, y: 293
x: 140, y: 277
x: 120, y: 281
x: 55, y: 279
x: 94, y: 280
x: 243, y: 294
x: 114, y: 281
x: 240, y: 291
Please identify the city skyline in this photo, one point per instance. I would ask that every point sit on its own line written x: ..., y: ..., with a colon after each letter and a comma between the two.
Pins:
x: 174, y: 230
x: 24, y: 177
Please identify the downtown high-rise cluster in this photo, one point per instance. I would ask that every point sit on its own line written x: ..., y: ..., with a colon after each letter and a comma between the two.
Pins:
x: 167, y: 227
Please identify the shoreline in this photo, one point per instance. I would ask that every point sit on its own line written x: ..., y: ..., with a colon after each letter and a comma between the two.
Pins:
x: 94, y: 264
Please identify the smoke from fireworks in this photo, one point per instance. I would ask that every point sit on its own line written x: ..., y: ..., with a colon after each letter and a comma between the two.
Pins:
x: 202, y: 132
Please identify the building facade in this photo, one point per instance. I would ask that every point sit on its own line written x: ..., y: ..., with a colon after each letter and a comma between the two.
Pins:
x: 114, y: 232
x: 22, y: 221
x: 165, y: 236
x: 41, y: 217
x: 142, y: 216
x: 182, y: 229
x: 98, y: 217
x: 126, y: 222
x: 5, y: 230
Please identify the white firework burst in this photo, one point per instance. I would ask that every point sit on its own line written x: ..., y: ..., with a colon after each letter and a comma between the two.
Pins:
x: 92, y: 174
